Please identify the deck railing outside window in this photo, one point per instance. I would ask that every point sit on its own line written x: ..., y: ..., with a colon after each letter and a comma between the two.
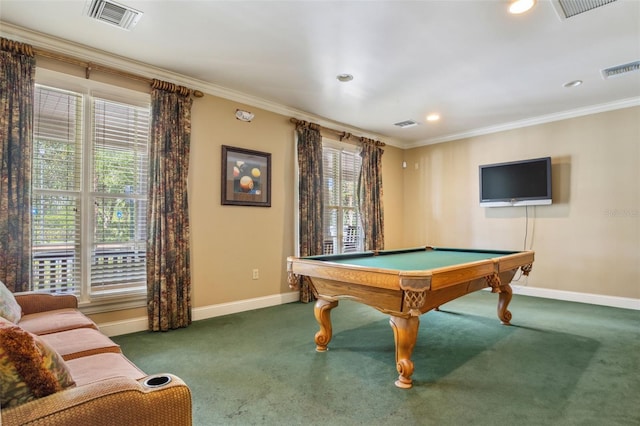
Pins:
x: 58, y: 270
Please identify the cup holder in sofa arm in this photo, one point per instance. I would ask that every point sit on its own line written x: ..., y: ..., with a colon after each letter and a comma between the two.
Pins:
x: 156, y: 381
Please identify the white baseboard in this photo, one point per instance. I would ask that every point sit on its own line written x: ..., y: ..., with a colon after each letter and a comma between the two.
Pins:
x: 133, y: 325
x: 243, y: 305
x: 571, y: 296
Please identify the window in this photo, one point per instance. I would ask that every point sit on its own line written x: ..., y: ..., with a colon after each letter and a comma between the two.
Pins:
x: 342, y: 227
x: 90, y: 173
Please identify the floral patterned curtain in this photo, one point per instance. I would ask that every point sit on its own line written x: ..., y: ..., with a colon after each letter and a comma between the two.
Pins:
x: 311, y: 203
x: 168, y: 263
x: 17, y: 85
x: 370, y: 195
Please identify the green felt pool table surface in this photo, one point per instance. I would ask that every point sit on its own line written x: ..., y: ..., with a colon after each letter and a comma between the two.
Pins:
x: 414, y: 259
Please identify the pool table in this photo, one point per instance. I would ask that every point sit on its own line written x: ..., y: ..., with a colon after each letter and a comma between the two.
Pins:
x: 405, y: 284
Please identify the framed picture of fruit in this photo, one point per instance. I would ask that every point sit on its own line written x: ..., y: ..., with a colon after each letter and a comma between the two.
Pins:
x: 246, y: 177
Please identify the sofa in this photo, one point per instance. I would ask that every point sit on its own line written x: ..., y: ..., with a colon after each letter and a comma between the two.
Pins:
x: 57, y: 368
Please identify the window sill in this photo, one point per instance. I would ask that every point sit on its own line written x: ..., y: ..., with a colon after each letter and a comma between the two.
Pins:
x: 110, y: 303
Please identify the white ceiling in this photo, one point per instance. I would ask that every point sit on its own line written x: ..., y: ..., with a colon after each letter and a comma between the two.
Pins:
x: 479, y: 67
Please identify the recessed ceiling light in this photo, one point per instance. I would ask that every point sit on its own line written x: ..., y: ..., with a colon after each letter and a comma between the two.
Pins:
x: 520, y: 6
x: 433, y: 117
x: 344, y: 77
x: 573, y: 83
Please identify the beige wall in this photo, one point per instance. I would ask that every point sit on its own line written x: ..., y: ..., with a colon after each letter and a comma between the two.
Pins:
x: 228, y: 242
x: 588, y: 241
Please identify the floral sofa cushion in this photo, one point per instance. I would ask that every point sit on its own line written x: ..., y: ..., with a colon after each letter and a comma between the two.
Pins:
x: 9, y: 308
x: 29, y: 368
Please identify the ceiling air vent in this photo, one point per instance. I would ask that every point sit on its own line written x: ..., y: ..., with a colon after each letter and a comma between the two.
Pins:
x: 406, y: 123
x: 113, y: 13
x: 568, y: 8
x: 621, y: 69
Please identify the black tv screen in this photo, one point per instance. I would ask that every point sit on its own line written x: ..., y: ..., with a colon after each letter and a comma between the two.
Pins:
x: 516, y: 183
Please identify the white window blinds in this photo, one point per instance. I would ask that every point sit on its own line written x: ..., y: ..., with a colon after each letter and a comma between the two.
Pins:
x: 56, y: 182
x: 120, y: 175
x: 342, y: 228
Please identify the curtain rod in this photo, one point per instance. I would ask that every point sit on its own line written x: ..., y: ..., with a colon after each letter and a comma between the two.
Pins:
x: 341, y: 135
x: 90, y: 66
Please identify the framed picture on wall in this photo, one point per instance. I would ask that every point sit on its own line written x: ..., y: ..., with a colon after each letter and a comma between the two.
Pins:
x: 246, y: 177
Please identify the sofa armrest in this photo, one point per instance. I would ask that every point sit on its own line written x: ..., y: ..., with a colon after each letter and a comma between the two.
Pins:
x: 116, y: 400
x: 32, y: 303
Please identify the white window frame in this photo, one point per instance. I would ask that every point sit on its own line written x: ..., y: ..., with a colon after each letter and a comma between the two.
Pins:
x: 126, y: 297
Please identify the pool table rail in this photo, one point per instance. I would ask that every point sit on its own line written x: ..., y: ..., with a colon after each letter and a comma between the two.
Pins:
x: 411, y: 280
x: 355, y: 274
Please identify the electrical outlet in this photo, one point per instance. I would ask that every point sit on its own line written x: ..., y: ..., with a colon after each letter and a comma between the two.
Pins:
x: 256, y: 274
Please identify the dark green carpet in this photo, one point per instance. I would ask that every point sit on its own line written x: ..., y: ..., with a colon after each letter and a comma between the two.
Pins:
x: 559, y: 363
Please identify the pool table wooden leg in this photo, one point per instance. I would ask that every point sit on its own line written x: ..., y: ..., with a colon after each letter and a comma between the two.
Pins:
x: 405, y: 333
x: 504, y: 297
x: 322, y: 312
x: 504, y: 293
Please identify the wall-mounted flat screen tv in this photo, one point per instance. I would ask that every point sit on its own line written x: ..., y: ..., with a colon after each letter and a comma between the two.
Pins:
x: 516, y: 183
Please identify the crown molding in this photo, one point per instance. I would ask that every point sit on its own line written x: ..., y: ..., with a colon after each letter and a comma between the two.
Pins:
x: 86, y: 53
x: 89, y: 54
x: 563, y: 115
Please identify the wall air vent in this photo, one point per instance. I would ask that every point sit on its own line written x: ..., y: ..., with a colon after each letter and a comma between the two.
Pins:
x: 406, y: 123
x: 621, y: 69
x: 113, y: 13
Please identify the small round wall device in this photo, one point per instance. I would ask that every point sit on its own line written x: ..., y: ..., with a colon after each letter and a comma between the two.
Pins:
x: 244, y: 115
